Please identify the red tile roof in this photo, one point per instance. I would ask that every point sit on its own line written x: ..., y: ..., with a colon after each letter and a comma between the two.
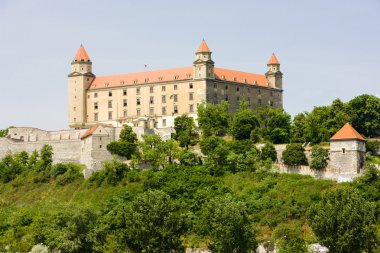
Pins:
x: 89, y: 132
x: 176, y: 74
x: 203, y: 47
x: 273, y: 60
x: 347, y: 132
x: 81, y: 54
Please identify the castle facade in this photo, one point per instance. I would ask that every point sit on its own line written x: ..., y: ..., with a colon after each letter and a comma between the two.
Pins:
x: 152, y: 99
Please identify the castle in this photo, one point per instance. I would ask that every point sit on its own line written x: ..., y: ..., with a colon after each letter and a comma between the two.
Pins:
x: 152, y: 99
x: 149, y: 101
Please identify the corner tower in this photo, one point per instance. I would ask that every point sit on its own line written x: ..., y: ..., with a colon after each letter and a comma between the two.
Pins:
x: 347, y: 151
x: 203, y: 66
x: 274, y: 75
x: 79, y: 80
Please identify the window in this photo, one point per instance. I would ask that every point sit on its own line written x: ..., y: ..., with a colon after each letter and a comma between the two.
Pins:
x: 125, y: 102
x: 163, y: 99
x: 124, y: 92
x: 100, y: 146
x: 271, y: 93
x: 146, y: 80
x: 260, y: 102
x: 151, y: 100
x: 215, y: 86
x: 95, y: 95
x: 74, y: 108
x: 164, y: 122
x: 125, y: 113
x: 176, y: 109
x: 237, y: 98
x: 175, y: 98
x: 138, y: 102
x: 226, y: 87
x: 96, y: 116
x: 109, y: 115
x: 110, y: 93
x: 88, y: 96
x: 109, y: 103
x: 137, y: 91
x: 190, y: 85
x: 75, y: 119
x: 163, y: 110
x: 343, y: 150
x: 163, y: 88
x: 96, y: 106
x: 226, y: 98
x: 191, y: 108
x: 259, y: 92
x: 238, y: 88
x: 191, y: 96
x: 151, y: 110
x: 138, y: 111
x: 151, y: 89
x: 175, y: 87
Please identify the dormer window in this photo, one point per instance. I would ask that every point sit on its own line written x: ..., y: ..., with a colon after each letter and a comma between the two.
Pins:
x: 160, y: 78
x: 188, y: 75
x: 245, y: 80
x: 224, y: 77
x: 176, y: 77
x: 121, y: 82
x: 255, y: 82
x: 234, y: 79
x: 146, y: 80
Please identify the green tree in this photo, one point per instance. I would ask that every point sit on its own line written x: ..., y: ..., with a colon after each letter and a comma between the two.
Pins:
x: 365, y: 113
x: 319, y: 157
x: 67, y: 230
x: 243, y: 123
x: 289, y: 239
x: 213, y: 119
x: 185, y: 131
x: 225, y: 221
x: 268, y: 152
x: 126, y: 146
x: 153, y: 223
x: 45, y: 158
x: 344, y: 222
x: 127, y: 134
x: 298, y: 128
x: 209, y: 144
x: 294, y: 154
x: 153, y: 151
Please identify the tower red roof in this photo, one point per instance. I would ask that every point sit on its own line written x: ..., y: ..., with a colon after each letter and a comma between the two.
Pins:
x: 347, y: 132
x: 273, y: 60
x: 203, y: 47
x: 81, y: 54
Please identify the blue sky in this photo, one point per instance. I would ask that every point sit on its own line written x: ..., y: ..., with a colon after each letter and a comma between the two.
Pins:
x: 327, y: 49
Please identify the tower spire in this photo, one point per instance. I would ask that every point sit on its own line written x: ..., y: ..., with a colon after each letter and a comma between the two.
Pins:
x: 81, y: 54
x: 273, y: 60
x: 203, y: 47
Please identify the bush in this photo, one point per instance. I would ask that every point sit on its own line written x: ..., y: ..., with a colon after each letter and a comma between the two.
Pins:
x: 373, y: 147
x: 319, y: 157
x: 294, y: 154
x: 111, y: 173
x: 268, y: 152
x: 122, y: 148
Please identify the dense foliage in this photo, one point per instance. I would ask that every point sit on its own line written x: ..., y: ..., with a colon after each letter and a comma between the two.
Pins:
x: 319, y: 157
x: 294, y: 154
x: 345, y: 222
x: 126, y: 146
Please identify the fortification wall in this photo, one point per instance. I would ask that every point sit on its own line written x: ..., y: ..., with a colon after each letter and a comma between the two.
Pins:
x: 65, y: 151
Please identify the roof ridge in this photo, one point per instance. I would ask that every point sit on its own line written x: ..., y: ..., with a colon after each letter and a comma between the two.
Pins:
x: 347, y: 132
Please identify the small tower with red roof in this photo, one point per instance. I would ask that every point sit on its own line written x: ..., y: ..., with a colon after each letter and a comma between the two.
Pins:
x: 79, y: 80
x: 274, y: 75
x: 347, y: 151
x: 203, y: 66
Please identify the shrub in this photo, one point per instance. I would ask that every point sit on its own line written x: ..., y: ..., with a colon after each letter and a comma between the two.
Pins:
x: 373, y: 147
x: 294, y: 154
x: 319, y: 157
x: 268, y: 152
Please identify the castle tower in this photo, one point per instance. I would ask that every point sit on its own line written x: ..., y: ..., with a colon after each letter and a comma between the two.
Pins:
x: 79, y: 81
x: 203, y: 66
x: 347, y: 151
x: 274, y: 75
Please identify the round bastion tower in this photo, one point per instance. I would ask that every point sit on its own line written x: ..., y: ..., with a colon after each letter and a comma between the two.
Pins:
x: 79, y: 80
